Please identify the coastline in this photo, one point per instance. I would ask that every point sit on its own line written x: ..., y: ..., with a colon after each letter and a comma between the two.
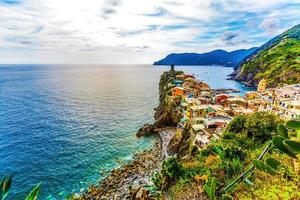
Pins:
x: 132, y: 180
x: 181, y: 130
x: 123, y: 181
x: 137, y: 172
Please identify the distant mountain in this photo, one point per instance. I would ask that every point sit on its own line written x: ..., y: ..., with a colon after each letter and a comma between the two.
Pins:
x: 216, y: 57
x: 277, y: 61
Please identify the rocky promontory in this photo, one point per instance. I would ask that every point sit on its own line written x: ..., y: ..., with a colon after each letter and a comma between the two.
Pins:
x: 131, y: 180
x: 135, y: 179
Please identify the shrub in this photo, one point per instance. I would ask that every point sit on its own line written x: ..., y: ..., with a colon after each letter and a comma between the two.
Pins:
x: 171, y: 168
x: 233, y: 151
x: 258, y: 126
x: 212, y: 161
x: 171, y: 171
x: 228, y: 136
x: 157, y: 179
x: 237, y: 124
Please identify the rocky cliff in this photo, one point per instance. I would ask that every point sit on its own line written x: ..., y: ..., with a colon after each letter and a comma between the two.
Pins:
x: 277, y: 61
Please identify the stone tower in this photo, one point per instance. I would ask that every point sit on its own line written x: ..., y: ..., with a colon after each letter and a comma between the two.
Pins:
x: 172, y: 70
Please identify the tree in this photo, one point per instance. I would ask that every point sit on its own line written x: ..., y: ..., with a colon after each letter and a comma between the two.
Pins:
x: 237, y: 124
x: 258, y: 126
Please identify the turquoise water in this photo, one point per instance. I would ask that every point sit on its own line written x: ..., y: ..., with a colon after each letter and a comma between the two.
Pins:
x: 67, y: 126
x: 215, y: 76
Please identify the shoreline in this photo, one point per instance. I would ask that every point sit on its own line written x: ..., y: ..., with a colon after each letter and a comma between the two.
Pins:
x: 175, y: 136
x: 135, y: 174
x: 133, y: 180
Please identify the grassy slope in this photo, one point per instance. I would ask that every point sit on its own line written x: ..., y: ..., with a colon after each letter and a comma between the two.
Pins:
x: 279, y: 64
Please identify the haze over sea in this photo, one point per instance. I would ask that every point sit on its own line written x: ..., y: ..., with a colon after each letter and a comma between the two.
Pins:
x: 68, y: 125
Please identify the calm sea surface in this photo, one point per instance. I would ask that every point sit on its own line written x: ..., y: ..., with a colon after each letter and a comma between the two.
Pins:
x: 67, y: 126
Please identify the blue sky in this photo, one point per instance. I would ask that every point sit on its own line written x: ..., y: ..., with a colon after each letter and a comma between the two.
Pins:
x: 135, y: 31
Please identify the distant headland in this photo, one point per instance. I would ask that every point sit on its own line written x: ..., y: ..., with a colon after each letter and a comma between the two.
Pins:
x: 216, y: 57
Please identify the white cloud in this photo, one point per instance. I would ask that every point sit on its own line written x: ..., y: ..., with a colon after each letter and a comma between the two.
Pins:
x: 125, y: 30
x: 270, y: 24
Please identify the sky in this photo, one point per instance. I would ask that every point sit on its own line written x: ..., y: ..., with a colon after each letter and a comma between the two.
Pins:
x: 135, y: 31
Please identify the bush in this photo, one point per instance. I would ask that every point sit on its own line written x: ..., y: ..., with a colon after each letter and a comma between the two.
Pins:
x: 228, y: 136
x: 204, y: 152
x: 237, y: 124
x: 232, y: 152
x: 157, y: 179
x: 258, y: 126
x: 171, y: 169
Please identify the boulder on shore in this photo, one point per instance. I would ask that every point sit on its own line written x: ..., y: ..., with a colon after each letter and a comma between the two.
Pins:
x: 146, y: 130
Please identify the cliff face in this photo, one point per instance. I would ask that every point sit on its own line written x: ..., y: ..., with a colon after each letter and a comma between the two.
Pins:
x: 277, y: 61
x: 166, y: 114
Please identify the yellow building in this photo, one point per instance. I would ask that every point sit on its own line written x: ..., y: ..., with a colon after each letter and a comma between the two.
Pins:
x: 251, y: 95
x: 262, y: 85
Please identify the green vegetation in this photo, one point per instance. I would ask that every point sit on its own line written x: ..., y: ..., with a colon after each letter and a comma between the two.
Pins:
x: 282, y: 165
x: 210, y: 188
x: 258, y: 126
x: 278, y: 64
x: 225, y: 169
x: 277, y: 61
x: 171, y: 171
x: 5, y: 185
x: 281, y: 142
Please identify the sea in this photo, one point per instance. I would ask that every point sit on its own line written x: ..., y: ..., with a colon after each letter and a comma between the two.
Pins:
x: 67, y: 126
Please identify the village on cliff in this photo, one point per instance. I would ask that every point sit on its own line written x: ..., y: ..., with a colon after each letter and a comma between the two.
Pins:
x: 207, y: 112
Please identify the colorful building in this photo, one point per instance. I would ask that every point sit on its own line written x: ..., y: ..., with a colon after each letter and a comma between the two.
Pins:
x: 262, y: 85
x: 220, y: 97
x: 252, y: 95
x: 177, y: 91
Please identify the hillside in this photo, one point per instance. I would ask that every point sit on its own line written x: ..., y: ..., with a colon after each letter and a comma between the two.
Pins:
x: 277, y: 61
x: 216, y: 57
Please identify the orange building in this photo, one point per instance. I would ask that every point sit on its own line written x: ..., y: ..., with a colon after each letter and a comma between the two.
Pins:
x: 177, y: 91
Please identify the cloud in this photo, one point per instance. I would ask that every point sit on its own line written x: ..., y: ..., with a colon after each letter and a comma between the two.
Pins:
x: 269, y: 24
x: 230, y: 38
x: 11, y: 2
x: 157, y: 12
x: 109, y: 7
x: 134, y: 30
x: 37, y: 29
x: 229, y: 35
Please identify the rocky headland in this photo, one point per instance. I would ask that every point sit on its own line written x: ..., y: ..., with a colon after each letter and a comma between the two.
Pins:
x: 134, y: 180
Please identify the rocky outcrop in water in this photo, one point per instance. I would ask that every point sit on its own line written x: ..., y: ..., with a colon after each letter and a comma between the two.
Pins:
x: 146, y: 130
x: 129, y: 181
